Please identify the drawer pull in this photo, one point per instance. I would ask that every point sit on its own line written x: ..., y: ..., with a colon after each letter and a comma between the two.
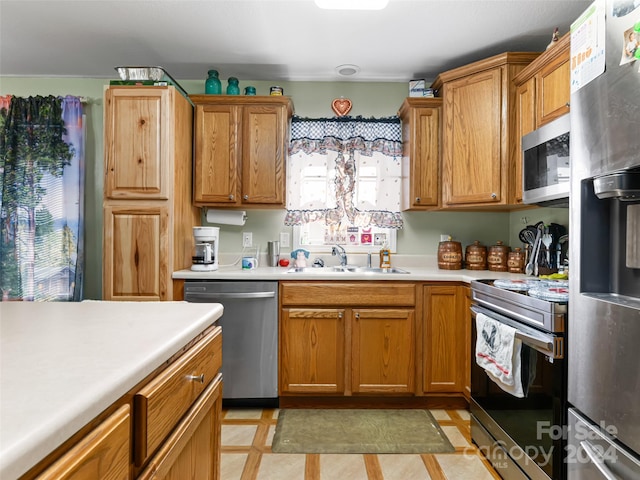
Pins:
x: 197, y: 378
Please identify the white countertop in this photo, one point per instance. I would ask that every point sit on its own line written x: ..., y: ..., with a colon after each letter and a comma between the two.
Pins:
x: 420, y: 268
x: 62, y: 364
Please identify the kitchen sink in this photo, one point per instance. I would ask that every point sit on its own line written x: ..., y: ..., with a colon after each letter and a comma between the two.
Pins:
x: 345, y: 269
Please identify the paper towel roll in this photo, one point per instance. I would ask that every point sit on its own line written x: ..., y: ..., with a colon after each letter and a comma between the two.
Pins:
x: 226, y: 217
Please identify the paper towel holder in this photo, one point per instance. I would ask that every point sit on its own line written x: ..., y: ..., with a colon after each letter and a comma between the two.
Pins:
x: 226, y: 217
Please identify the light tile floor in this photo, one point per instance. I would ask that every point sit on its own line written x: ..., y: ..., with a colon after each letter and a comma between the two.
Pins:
x: 246, y: 454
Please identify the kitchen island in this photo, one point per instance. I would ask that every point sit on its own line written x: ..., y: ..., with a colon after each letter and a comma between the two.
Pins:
x: 64, y: 364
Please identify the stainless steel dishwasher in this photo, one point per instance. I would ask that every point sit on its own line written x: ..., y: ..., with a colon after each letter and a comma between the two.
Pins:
x: 249, y: 337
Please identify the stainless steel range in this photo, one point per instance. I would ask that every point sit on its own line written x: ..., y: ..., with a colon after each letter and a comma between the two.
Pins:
x: 522, y: 436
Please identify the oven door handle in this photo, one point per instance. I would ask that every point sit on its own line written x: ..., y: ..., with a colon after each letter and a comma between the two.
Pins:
x: 545, y: 346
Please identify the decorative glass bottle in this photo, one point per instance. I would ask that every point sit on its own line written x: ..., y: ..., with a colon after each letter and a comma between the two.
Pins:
x: 212, y: 86
x: 233, y: 88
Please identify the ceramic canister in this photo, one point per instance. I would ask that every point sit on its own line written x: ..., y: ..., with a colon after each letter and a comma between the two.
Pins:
x: 497, y: 257
x: 475, y: 256
x: 450, y: 255
x: 516, y: 261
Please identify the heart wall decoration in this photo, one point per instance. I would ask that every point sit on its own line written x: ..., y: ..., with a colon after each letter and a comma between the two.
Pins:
x: 341, y: 106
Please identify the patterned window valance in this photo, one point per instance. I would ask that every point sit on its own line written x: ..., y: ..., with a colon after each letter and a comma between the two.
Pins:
x: 345, y: 170
x: 365, y: 135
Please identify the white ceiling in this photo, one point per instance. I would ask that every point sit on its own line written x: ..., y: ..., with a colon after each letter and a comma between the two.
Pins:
x: 277, y: 40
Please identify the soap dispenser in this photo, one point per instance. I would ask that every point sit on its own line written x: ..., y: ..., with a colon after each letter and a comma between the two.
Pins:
x: 385, y: 257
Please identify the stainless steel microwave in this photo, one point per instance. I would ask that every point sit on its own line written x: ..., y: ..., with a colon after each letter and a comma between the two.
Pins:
x: 545, y: 164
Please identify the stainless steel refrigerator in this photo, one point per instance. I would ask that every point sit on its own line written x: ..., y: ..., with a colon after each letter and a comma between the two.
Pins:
x: 604, y: 307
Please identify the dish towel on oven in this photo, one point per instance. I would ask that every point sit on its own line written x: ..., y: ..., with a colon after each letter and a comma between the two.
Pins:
x: 498, y: 353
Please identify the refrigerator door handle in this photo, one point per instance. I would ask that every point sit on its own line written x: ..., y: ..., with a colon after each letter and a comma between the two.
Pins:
x: 597, y: 461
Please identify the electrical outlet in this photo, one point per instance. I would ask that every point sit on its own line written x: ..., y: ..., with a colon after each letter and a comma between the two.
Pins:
x: 284, y: 240
x: 247, y: 239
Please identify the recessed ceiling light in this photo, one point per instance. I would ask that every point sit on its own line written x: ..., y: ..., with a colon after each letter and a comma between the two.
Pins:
x: 352, y: 4
x: 347, y: 70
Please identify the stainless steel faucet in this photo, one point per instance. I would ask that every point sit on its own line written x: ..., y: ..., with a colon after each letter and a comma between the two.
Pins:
x: 338, y: 250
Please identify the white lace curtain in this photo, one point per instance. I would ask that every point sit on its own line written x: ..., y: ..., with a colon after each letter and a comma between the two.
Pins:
x: 345, y: 171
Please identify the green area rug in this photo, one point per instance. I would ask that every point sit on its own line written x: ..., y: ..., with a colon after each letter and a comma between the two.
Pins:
x: 358, y: 431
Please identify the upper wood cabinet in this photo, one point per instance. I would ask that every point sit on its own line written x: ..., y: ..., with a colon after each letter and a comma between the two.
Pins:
x: 240, y: 150
x: 421, y: 125
x: 138, y: 124
x: 148, y: 209
x: 526, y: 105
x: 543, y: 94
x: 479, y: 134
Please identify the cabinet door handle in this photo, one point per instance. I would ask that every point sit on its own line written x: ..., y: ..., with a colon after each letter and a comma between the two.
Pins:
x: 196, y: 378
x: 230, y: 197
x: 357, y: 316
x: 246, y: 197
x: 494, y: 196
x: 417, y: 199
x: 340, y: 315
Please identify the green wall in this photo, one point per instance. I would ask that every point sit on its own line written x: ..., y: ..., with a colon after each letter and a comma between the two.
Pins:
x: 311, y: 99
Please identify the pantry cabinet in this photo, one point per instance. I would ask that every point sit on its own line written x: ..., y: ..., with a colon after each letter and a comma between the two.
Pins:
x: 421, y: 131
x: 479, y: 135
x: 543, y: 94
x: 340, y: 338
x: 148, y: 211
x: 240, y: 150
x: 445, y: 343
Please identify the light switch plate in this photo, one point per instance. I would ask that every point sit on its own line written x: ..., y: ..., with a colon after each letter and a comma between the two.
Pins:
x: 247, y: 239
x: 284, y: 240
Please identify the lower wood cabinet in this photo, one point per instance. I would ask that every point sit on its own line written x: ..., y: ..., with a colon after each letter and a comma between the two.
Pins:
x: 467, y: 342
x: 382, y: 350
x: 177, y: 416
x: 193, y: 449
x: 339, y: 338
x: 312, y: 350
x: 163, y: 401
x: 103, y: 453
x: 168, y: 428
x: 445, y: 343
